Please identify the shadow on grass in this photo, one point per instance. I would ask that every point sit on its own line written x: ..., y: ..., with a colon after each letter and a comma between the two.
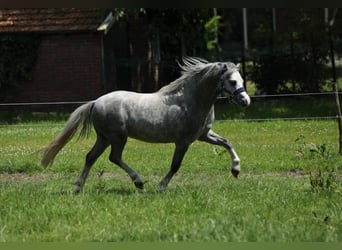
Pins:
x: 129, y: 191
x: 95, y: 191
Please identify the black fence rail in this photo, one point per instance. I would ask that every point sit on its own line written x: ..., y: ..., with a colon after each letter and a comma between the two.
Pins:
x: 302, y: 106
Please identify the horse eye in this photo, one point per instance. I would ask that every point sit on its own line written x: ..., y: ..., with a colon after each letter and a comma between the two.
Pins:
x: 232, y: 82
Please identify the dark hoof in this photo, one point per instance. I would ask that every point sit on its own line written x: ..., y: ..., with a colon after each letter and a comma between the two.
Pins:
x: 139, y: 185
x: 235, y: 173
x: 77, y: 190
x: 161, y: 189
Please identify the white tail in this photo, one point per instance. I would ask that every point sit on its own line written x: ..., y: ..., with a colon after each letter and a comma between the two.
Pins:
x: 81, y: 116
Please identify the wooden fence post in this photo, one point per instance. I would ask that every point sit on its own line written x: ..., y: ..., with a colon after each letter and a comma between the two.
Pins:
x: 334, y: 83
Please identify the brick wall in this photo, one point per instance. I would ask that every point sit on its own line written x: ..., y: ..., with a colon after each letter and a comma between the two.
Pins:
x: 69, y: 68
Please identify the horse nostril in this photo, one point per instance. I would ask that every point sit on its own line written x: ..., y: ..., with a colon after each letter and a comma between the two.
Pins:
x: 244, y: 102
x: 247, y: 102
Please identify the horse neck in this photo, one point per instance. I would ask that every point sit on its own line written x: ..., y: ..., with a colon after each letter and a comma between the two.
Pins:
x: 203, y: 93
x: 198, y: 92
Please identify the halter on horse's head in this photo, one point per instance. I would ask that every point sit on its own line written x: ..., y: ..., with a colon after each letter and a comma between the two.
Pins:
x: 231, y: 84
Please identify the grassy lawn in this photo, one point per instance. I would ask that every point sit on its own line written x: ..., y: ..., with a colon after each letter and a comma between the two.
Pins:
x: 279, y: 108
x: 278, y: 197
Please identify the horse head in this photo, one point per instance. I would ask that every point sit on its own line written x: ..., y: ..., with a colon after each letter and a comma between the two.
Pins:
x: 231, y: 84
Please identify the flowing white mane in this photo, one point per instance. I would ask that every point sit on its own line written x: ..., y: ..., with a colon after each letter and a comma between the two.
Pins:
x: 191, y: 66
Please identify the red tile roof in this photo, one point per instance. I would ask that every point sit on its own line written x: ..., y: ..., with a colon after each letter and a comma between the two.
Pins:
x: 50, y: 20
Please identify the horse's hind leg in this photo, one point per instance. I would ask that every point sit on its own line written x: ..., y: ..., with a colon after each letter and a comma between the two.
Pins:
x: 115, y: 156
x: 100, y: 145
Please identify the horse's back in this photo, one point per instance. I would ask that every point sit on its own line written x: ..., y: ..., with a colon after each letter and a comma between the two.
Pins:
x: 135, y: 114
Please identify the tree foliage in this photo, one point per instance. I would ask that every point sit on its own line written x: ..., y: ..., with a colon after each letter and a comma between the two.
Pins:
x: 293, y: 58
x: 211, y: 32
x: 181, y: 31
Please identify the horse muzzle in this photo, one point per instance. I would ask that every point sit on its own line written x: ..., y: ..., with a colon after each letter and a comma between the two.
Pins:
x: 242, y: 99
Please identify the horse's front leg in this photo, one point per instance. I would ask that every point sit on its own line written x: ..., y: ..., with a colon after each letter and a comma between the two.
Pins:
x: 213, y: 138
x: 176, y: 162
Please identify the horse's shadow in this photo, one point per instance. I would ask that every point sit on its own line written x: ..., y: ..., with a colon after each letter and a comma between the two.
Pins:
x: 122, y: 191
x: 118, y: 191
x: 129, y: 191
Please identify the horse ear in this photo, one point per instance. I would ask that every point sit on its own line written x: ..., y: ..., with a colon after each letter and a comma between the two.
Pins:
x: 238, y: 65
x: 224, y: 68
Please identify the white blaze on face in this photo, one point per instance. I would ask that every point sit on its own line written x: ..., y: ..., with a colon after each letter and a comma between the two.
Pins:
x: 243, y: 98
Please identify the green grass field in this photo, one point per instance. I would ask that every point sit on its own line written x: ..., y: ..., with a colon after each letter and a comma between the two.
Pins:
x: 289, y: 190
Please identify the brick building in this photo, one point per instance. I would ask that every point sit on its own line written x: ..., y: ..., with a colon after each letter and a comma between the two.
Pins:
x: 71, y: 63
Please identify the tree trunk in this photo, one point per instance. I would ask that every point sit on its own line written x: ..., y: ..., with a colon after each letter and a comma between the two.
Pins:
x: 339, y: 116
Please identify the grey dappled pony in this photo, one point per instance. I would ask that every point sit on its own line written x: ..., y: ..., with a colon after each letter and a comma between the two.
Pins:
x: 179, y: 113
